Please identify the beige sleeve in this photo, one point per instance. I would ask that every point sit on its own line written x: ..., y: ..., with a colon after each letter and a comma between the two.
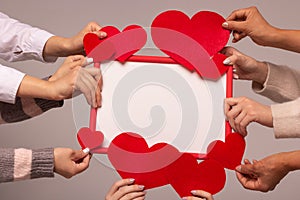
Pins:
x: 286, y: 119
x: 282, y: 84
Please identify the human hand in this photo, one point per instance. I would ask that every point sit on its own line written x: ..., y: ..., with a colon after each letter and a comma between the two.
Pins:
x: 249, y: 22
x: 199, y: 195
x: 245, y: 67
x: 75, y: 43
x: 57, y: 46
x: 126, y: 190
x: 72, y: 77
x: 241, y: 111
x: 265, y: 174
x: 69, y: 162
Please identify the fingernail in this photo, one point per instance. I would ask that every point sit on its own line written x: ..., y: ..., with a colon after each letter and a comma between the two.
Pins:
x: 225, y: 24
x: 86, y: 150
x: 238, y: 168
x: 227, y: 61
x: 103, y: 34
x: 184, y: 198
x: 235, y: 76
x: 131, y: 180
x: 141, y: 187
x: 89, y: 60
x: 194, y: 192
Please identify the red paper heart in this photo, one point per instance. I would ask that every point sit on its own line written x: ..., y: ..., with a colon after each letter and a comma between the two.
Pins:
x: 117, y: 45
x: 192, y: 42
x: 132, y: 158
x: 230, y: 153
x: 163, y: 164
x: 186, y: 175
x: 88, y: 138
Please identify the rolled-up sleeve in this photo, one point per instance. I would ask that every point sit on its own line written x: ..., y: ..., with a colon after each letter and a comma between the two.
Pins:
x: 20, y: 41
x: 10, y: 80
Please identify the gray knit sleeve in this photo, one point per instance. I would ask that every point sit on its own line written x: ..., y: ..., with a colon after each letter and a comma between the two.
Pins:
x: 22, y: 164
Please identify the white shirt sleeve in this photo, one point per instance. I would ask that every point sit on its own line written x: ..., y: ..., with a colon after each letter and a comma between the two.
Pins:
x: 10, y: 80
x: 20, y: 41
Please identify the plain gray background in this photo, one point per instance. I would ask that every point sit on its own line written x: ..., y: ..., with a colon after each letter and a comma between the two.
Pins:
x: 57, y: 127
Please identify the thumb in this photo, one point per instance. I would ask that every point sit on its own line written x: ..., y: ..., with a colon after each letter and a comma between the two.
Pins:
x: 100, y: 34
x: 80, y: 154
x: 247, y: 169
x: 234, y: 26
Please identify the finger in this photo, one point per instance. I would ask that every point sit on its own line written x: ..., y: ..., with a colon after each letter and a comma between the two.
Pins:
x: 92, y: 78
x: 124, y: 190
x: 79, y: 154
x: 83, y: 164
x: 202, y: 194
x: 237, y: 26
x: 232, y: 114
x: 81, y: 86
x: 245, y: 123
x: 98, y: 91
x: 246, y: 169
x: 88, y: 85
x: 87, y: 61
x: 133, y: 195
x: 245, y: 181
x: 239, y: 36
x: 238, y: 122
x: 119, y: 184
x: 100, y: 34
x: 246, y: 161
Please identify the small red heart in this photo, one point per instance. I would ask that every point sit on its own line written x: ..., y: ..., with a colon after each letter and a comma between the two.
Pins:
x: 192, y: 42
x: 186, y: 175
x: 132, y: 158
x: 230, y: 153
x: 90, y: 139
x: 117, y: 45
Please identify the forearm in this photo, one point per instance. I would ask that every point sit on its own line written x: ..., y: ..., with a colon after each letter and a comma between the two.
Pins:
x: 22, y: 164
x: 60, y: 47
x: 36, y: 88
x: 285, y: 39
x: 291, y: 160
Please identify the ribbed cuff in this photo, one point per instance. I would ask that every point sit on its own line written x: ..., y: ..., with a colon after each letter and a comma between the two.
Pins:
x: 6, y: 165
x: 42, y: 163
x: 48, y: 104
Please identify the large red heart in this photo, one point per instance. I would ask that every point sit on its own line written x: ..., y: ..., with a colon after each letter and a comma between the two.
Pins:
x: 194, y: 42
x: 163, y: 164
x: 117, y: 45
x: 186, y: 175
x: 230, y: 153
x: 91, y: 139
x: 132, y: 158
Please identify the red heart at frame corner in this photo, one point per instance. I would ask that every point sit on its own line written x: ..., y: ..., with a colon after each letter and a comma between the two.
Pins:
x: 117, y: 45
x: 192, y: 42
x: 89, y: 139
x: 230, y: 153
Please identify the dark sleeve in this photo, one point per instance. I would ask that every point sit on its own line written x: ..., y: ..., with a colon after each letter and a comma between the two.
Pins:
x: 25, y: 108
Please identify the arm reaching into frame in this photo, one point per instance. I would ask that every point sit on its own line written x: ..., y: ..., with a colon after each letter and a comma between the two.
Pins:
x: 264, y: 175
x: 249, y: 22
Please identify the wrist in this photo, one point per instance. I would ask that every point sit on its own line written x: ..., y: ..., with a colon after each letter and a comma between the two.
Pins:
x: 260, y: 76
x: 291, y: 160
